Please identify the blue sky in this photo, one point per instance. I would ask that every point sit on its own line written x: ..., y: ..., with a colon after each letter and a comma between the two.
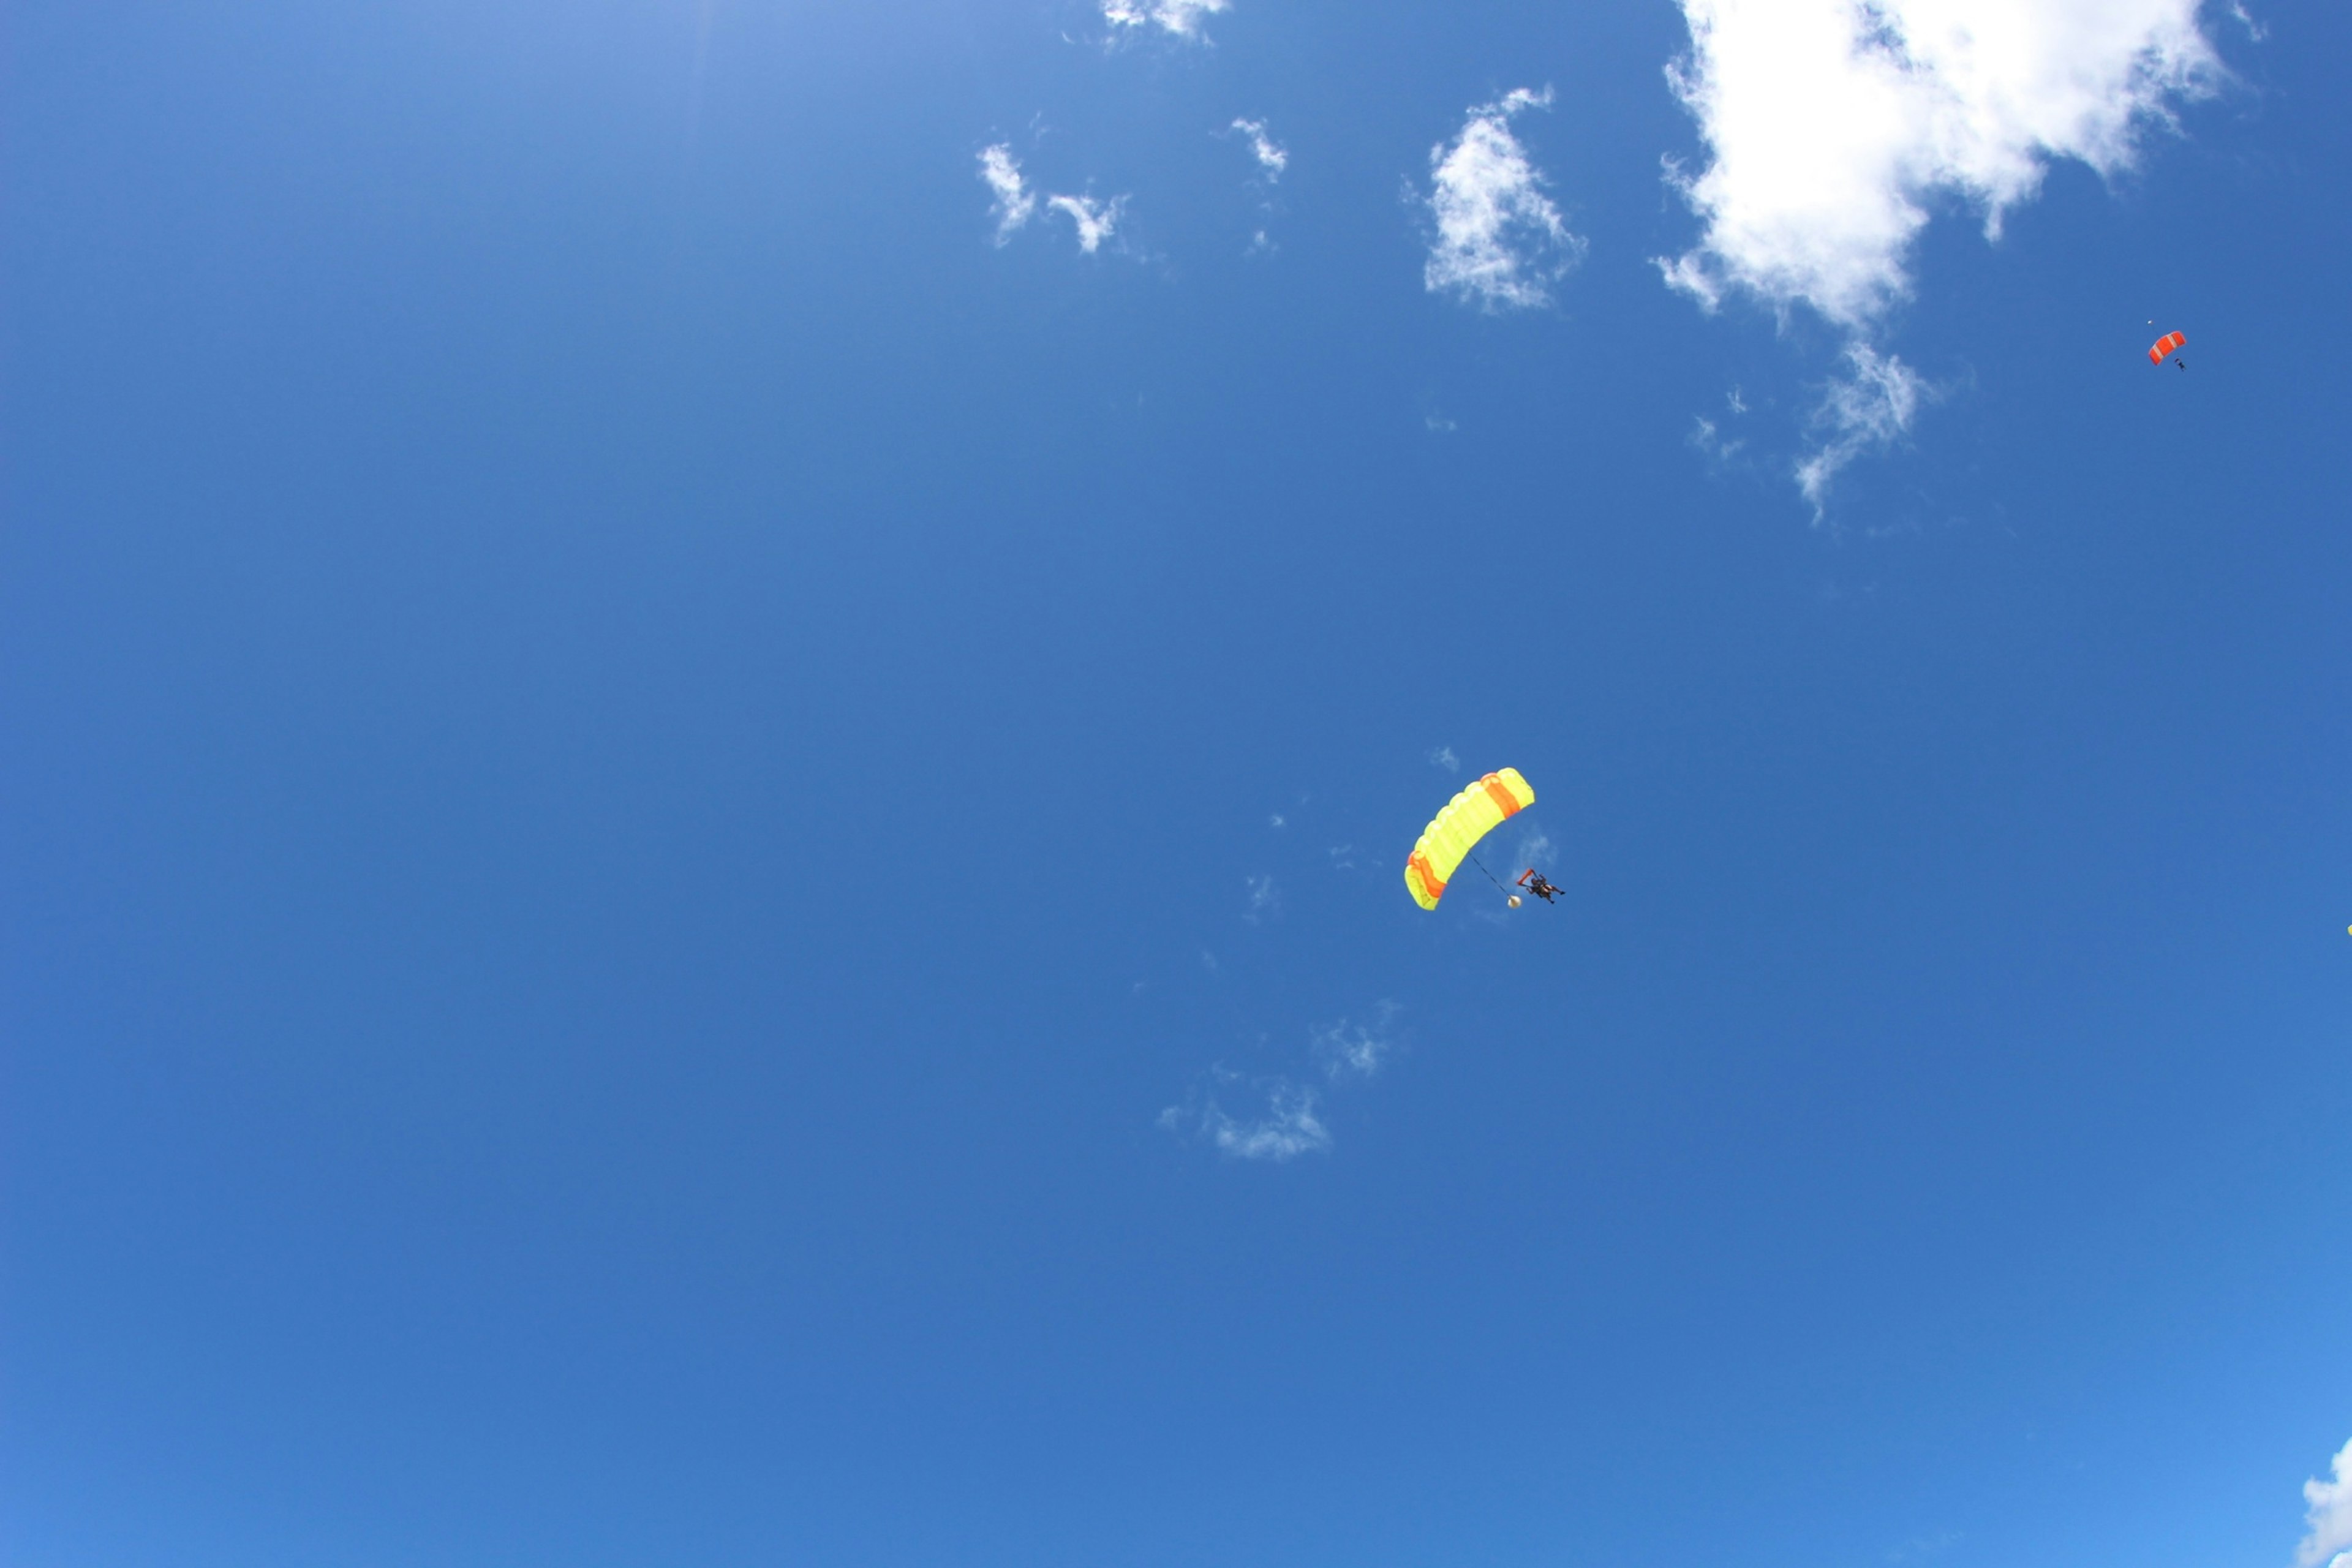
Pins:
x: 713, y: 712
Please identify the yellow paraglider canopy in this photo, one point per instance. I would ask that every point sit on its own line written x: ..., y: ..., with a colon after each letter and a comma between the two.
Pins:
x: 1469, y: 816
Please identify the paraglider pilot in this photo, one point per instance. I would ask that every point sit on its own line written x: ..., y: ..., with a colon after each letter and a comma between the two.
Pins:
x: 1533, y: 881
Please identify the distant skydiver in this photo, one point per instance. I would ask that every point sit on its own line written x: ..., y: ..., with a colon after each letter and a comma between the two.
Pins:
x: 1533, y: 881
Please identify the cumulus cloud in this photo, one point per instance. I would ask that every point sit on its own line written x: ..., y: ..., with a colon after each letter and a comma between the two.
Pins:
x: 1181, y: 18
x: 1830, y: 124
x: 1499, y: 243
x: 1271, y: 157
x: 1014, y: 203
x: 1095, y: 220
x: 2329, y: 1516
x: 1356, y: 1050
x: 1288, y: 1128
x: 1833, y: 127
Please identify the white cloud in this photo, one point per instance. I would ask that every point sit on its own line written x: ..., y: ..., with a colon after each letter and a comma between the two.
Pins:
x: 1182, y: 17
x: 2245, y: 18
x: 1271, y: 157
x: 1500, y: 242
x: 2329, y: 1516
x: 1443, y: 757
x: 1869, y: 405
x: 1015, y: 202
x: 1833, y: 127
x: 1289, y: 1128
x: 1095, y: 220
x: 1356, y: 1050
x: 1830, y: 124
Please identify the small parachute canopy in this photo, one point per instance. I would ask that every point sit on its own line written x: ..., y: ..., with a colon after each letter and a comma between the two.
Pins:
x: 2165, y: 345
x: 1451, y: 834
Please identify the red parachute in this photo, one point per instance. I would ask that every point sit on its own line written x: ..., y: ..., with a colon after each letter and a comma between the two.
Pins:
x: 2165, y: 345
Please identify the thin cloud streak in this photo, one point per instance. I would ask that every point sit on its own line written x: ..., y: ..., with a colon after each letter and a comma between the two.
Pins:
x: 1868, y: 408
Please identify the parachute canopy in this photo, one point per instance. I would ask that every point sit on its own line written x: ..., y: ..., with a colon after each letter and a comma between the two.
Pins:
x: 2165, y: 345
x: 1467, y: 817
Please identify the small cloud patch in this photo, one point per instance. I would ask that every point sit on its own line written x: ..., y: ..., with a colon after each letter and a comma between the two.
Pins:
x: 1179, y: 18
x: 1271, y: 157
x: 1356, y: 1050
x: 1500, y: 243
x: 1287, y: 1128
x: 1014, y: 204
x: 1095, y: 221
x: 1264, y: 899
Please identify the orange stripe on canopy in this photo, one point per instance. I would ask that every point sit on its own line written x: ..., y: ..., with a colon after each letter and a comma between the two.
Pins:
x: 1419, y: 864
x: 1500, y: 794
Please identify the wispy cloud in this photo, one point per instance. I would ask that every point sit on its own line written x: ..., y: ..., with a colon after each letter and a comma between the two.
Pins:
x: 1264, y: 899
x: 1182, y: 17
x: 1271, y: 157
x: 1288, y: 1128
x: 1443, y: 757
x: 1499, y: 243
x: 1014, y: 204
x: 2245, y: 18
x: 1708, y: 437
x: 1920, y: 1547
x: 1095, y: 220
x: 1869, y: 406
x: 2328, y: 1506
x: 1349, y: 1049
x: 1832, y: 127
